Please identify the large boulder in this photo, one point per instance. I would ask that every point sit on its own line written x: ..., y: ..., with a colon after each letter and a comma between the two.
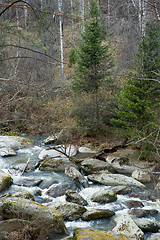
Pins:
x: 141, y: 212
x: 12, y: 225
x: 92, y: 165
x: 70, y: 211
x: 50, y: 153
x: 74, y: 197
x: 126, y: 160
x: 83, y: 234
x: 49, y: 221
x: 86, y: 150
x: 115, y: 179
x: 146, y: 225
x: 76, y: 175
x: 154, y: 236
x: 56, y: 164
x: 5, y: 180
x: 142, y: 175
x: 125, y: 225
x: 15, y: 142
x: 93, y: 214
x: 104, y: 196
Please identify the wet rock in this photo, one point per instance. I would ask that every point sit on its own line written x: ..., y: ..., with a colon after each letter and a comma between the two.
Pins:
x: 146, y: 225
x: 49, y: 221
x: 143, y: 196
x: 92, y: 165
x: 134, y: 204
x: 56, y: 164
x: 76, y: 175
x: 84, y: 234
x: 7, y: 152
x: 60, y: 190
x: 47, y: 184
x: 115, y: 179
x: 50, y: 139
x: 154, y: 236
x: 15, y: 142
x: 142, y: 175
x: 28, y: 182
x: 25, y: 195
x: 70, y: 211
x: 5, y: 180
x: 121, y: 190
x: 104, y: 196
x: 125, y: 225
x: 74, y: 197
x: 50, y: 153
x: 138, y: 212
x: 94, y: 214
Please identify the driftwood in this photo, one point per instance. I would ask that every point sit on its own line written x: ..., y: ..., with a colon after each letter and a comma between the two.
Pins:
x: 25, y: 167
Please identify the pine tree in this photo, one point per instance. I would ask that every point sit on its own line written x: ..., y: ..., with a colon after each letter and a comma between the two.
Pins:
x: 92, y: 70
x: 139, y: 99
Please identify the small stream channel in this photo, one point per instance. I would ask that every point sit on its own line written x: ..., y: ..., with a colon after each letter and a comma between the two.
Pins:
x: 12, y: 164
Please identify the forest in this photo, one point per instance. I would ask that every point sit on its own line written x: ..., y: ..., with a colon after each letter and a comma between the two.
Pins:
x: 91, y: 67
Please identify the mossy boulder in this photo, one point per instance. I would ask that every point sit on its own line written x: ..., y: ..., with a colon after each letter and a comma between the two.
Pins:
x: 56, y: 164
x: 5, y: 180
x: 94, y: 214
x: 15, y: 142
x: 12, y: 224
x: 50, y: 221
x: 60, y: 190
x: 104, y: 196
x: 146, y: 225
x: 74, y: 174
x: 92, y: 165
x: 89, y: 234
x: 74, y: 197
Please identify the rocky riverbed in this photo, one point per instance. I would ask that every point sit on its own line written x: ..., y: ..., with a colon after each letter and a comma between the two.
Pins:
x: 59, y: 191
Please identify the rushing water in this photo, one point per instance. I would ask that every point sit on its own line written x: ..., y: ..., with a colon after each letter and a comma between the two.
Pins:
x: 12, y: 164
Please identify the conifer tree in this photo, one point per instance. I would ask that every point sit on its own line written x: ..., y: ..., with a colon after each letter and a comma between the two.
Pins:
x: 137, y: 116
x: 92, y: 70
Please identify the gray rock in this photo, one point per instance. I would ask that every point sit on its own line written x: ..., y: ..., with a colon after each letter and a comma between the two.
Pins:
x: 28, y: 182
x: 92, y: 165
x: 48, y: 183
x: 115, y: 179
x: 125, y: 225
x: 56, y: 164
x: 74, y: 174
x: 13, y: 225
x: 140, y: 212
x: 15, y: 142
x: 86, y: 150
x: 50, y: 139
x: 7, y: 152
x: 5, y: 180
x: 121, y: 190
x: 104, y: 196
x: 74, y: 197
x: 134, y: 204
x: 146, y: 225
x: 142, y: 175
x: 70, y: 211
x: 60, y: 190
x: 50, y: 153
x: 154, y: 236
x: 97, y: 214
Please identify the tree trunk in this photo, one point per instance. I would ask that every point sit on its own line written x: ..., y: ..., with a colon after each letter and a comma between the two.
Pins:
x: 25, y: 16
x: 156, y: 10
x: 73, y: 25
x: 82, y: 14
x: 61, y: 36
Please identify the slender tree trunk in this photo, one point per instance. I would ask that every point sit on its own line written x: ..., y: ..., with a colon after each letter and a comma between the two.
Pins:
x: 109, y: 11
x: 17, y: 17
x: 82, y: 14
x: 25, y: 16
x: 61, y: 36
x: 142, y: 16
x: 156, y: 10
x: 73, y: 25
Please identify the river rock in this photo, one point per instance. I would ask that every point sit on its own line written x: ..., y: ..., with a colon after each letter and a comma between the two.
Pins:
x: 5, y: 180
x: 28, y: 182
x: 121, y: 190
x: 134, y: 204
x: 84, y: 234
x: 126, y: 160
x: 7, y: 152
x: 93, y: 214
x: 12, y: 225
x: 15, y: 142
x: 104, y: 196
x: 50, y: 153
x: 47, y: 183
x: 49, y: 221
x: 92, y: 165
x: 60, y: 190
x: 140, y: 212
x: 74, y: 197
x: 86, y: 150
x: 25, y: 195
x: 142, y: 175
x: 76, y: 175
x: 154, y: 236
x: 146, y: 225
x: 125, y: 225
x: 50, y: 139
x: 70, y: 211
x: 115, y: 179
x: 56, y: 164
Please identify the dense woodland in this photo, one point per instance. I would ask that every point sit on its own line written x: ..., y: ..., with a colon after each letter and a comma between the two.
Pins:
x: 81, y: 65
